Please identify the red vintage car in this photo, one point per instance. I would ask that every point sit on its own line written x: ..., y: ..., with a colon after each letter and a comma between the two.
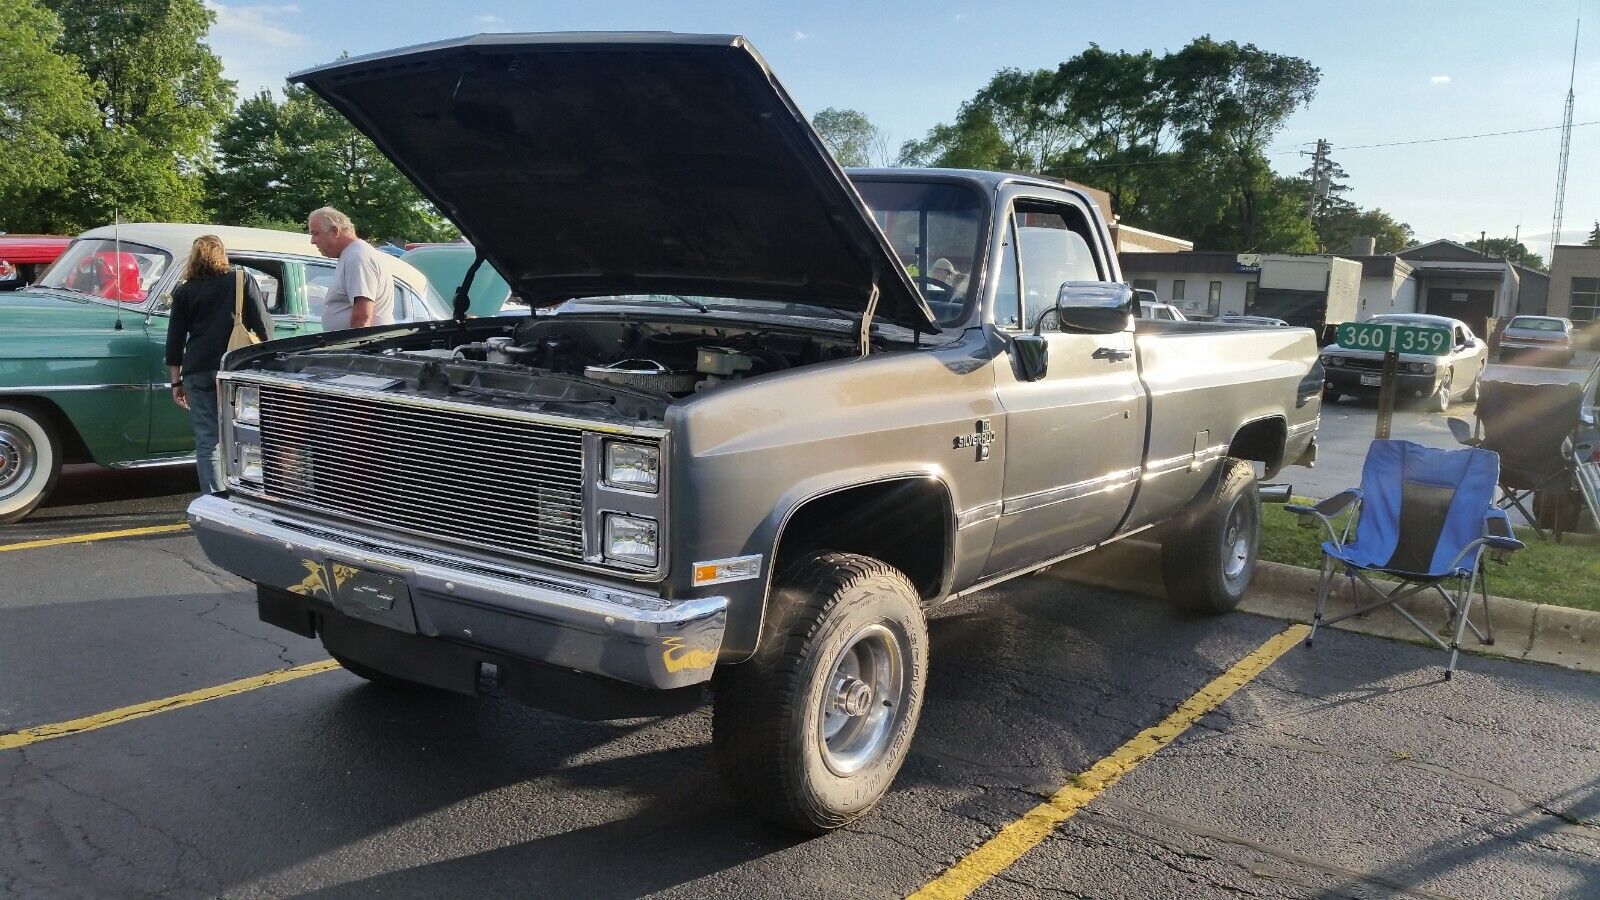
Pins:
x: 24, y: 256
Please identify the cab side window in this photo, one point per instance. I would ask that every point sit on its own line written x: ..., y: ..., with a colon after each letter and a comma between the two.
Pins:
x: 319, y: 277
x: 1054, y: 248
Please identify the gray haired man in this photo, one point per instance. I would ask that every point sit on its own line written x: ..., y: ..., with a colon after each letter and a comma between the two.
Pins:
x: 362, y: 292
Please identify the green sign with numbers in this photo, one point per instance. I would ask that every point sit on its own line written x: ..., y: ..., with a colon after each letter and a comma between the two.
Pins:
x: 1398, y: 338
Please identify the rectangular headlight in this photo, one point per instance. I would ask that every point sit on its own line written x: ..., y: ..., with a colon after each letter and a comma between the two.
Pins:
x: 631, y: 540
x: 633, y: 467
x: 250, y: 463
x: 247, y: 405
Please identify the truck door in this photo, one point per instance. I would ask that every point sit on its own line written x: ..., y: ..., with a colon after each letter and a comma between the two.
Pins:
x: 1074, y: 440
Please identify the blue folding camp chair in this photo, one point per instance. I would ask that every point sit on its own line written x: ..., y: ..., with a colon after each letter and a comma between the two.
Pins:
x: 1424, y: 516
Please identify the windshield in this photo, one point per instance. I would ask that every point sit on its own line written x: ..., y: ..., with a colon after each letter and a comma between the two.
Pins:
x: 1537, y: 324
x: 108, y: 269
x: 936, y: 230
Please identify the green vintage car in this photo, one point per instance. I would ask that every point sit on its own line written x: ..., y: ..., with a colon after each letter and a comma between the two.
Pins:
x: 82, y: 369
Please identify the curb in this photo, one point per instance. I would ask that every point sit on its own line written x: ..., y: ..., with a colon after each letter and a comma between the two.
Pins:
x: 1528, y: 631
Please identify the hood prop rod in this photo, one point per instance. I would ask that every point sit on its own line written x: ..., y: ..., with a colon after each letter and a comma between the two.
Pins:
x: 866, y: 319
x: 462, y: 302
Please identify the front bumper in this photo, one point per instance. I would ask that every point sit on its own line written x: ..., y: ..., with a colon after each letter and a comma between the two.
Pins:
x: 576, y: 626
x: 1348, y: 381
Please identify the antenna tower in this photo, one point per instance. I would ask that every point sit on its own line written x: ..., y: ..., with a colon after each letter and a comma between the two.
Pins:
x: 1566, y: 147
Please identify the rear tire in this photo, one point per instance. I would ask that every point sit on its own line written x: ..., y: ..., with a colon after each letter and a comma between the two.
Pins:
x: 30, y: 461
x: 811, y: 731
x: 1209, y: 552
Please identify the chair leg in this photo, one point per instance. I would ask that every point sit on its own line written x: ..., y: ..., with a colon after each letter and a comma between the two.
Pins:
x: 1323, y: 583
x: 1515, y: 499
x: 1483, y: 587
x: 1464, y: 602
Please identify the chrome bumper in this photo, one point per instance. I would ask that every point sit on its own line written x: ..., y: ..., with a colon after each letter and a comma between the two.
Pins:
x: 578, y: 626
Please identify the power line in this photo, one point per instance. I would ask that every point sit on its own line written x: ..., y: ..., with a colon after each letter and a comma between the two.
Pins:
x: 1463, y: 137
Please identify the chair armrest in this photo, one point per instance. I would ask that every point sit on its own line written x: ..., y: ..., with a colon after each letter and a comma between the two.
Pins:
x: 1322, y: 513
x: 1462, y: 432
x: 1497, y: 533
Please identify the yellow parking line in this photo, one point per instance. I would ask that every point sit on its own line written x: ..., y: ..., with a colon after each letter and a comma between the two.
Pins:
x: 96, y: 536
x: 39, y: 733
x: 1005, y: 848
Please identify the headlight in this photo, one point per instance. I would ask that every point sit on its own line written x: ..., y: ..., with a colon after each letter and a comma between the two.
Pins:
x: 247, y: 405
x: 250, y: 463
x: 630, y: 540
x: 1327, y: 360
x: 633, y: 467
x: 1427, y: 368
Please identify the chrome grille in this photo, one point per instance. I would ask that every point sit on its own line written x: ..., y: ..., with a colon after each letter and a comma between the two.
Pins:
x: 455, y: 475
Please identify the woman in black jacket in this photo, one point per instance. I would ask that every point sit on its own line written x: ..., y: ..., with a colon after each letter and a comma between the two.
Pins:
x: 197, y: 336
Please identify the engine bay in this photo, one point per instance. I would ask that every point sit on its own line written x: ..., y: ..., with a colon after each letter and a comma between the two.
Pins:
x: 595, y: 368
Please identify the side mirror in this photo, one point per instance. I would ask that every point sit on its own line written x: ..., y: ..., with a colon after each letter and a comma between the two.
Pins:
x: 1096, y: 307
x: 1032, y: 353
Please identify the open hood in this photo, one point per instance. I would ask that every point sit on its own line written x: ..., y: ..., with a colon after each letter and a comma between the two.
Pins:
x: 600, y: 164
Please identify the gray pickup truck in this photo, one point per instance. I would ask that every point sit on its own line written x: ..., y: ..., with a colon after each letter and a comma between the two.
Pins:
x: 766, y: 415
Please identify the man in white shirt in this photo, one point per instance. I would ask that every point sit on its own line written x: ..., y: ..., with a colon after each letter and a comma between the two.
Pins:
x: 362, y: 292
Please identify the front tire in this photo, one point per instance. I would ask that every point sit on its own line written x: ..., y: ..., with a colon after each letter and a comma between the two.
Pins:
x: 30, y: 461
x: 1209, y: 552
x: 811, y: 731
x: 1441, y: 397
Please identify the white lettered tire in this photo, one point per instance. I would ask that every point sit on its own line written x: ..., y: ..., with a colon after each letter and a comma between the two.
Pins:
x: 812, y: 730
x: 30, y: 460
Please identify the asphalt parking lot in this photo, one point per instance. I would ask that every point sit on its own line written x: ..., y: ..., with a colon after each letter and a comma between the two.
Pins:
x: 1347, y: 770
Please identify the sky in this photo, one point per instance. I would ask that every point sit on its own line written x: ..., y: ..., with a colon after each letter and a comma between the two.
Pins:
x: 1399, y: 70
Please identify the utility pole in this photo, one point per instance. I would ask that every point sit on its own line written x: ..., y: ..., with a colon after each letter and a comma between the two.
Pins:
x: 1566, y: 145
x: 1319, y: 177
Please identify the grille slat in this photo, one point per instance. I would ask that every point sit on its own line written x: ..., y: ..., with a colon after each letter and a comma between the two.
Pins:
x: 484, y: 481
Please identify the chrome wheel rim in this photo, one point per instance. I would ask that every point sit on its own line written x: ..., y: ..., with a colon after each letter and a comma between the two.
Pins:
x: 1236, y: 541
x: 1444, y: 393
x: 862, y: 700
x: 18, y: 459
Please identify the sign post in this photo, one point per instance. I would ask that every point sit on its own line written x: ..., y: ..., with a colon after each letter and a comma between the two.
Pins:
x: 1392, y: 340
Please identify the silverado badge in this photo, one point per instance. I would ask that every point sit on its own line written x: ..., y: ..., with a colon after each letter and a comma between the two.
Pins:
x: 981, y: 437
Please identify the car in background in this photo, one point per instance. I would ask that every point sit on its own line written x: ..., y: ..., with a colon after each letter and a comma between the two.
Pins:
x: 1544, y: 338
x: 445, y: 265
x: 24, y: 256
x: 1252, y: 320
x: 1151, y: 307
x: 83, y: 375
x: 1440, y: 379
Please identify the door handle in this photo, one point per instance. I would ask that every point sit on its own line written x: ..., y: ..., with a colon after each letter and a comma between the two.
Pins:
x: 1112, y: 353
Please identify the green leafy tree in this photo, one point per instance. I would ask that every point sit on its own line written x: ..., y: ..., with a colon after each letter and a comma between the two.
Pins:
x: 1229, y: 100
x: 1511, y: 249
x: 45, y: 112
x: 1016, y: 122
x: 1594, y: 236
x: 1121, y: 106
x: 854, y: 140
x: 277, y: 161
x: 158, y: 96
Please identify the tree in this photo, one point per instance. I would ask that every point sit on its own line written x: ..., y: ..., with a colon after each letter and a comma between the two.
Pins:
x: 1512, y: 250
x: 1229, y: 100
x: 1121, y: 106
x: 1016, y: 122
x: 1594, y: 236
x: 158, y: 96
x: 854, y: 140
x: 45, y: 111
x: 276, y: 162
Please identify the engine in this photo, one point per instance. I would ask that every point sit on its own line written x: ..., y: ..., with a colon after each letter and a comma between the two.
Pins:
x: 674, y: 359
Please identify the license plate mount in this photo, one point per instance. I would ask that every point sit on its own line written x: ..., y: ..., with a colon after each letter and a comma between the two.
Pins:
x: 377, y: 597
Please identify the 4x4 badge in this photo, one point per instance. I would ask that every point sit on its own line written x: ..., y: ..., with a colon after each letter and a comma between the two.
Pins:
x: 982, y: 436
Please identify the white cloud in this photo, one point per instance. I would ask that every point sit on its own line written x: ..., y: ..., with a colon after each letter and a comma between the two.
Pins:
x: 801, y: 35
x: 1439, y: 79
x: 488, y: 19
x: 258, y: 24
